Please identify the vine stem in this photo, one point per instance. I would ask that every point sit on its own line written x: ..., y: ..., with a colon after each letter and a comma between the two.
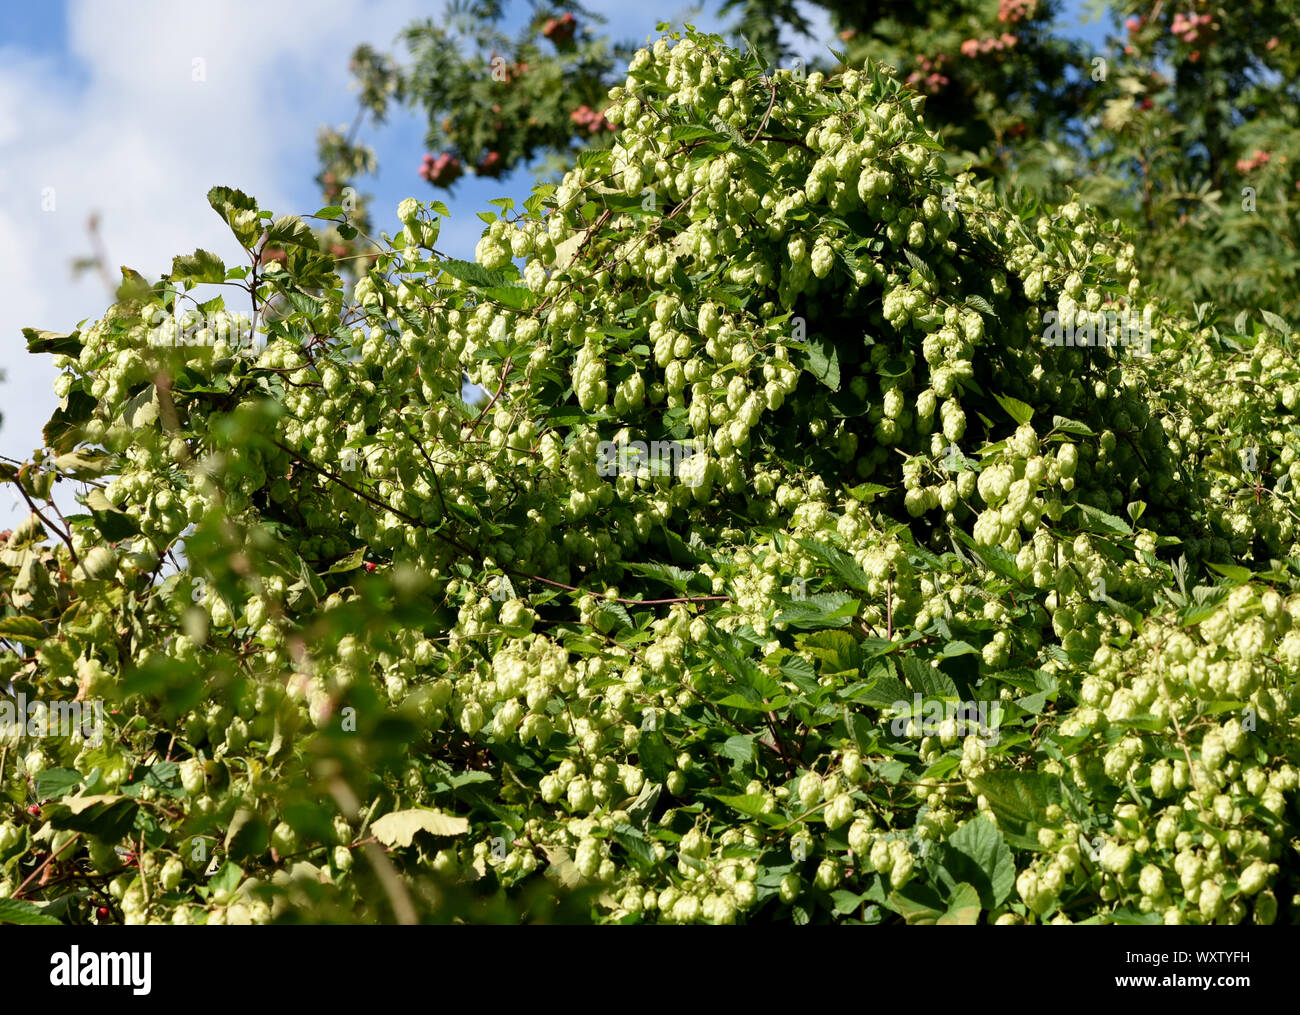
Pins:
x: 48, y: 860
x: 67, y: 539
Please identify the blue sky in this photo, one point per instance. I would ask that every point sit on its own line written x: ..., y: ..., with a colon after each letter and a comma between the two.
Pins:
x: 133, y: 109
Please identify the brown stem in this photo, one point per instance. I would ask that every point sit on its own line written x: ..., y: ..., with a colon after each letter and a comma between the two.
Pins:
x: 48, y: 860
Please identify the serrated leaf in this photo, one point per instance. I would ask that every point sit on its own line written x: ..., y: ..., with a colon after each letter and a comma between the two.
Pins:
x: 749, y: 804
x: 227, y: 878
x: 917, y: 903
x: 978, y: 855
x: 231, y: 205
x: 917, y: 262
x: 1020, y: 801
x: 1071, y: 426
x: 1102, y: 521
x: 823, y: 361
x: 824, y: 609
x: 866, y: 491
x: 843, y: 566
x: 22, y: 913
x: 836, y: 650
x: 290, y: 230
x: 562, y: 868
x: 202, y: 266
x: 1015, y: 408
x: 474, y: 274
x: 616, y: 610
x: 108, y: 816
x: 631, y: 839
x: 141, y: 409
x: 928, y: 680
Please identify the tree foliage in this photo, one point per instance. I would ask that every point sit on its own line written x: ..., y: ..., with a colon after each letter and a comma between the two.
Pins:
x: 817, y: 555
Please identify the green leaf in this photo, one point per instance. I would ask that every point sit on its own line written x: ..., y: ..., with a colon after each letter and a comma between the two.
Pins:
x: 846, y: 902
x: 977, y: 854
x: 227, y: 878
x: 1235, y: 573
x: 616, y: 611
x: 1020, y: 801
x: 114, y: 524
x: 882, y: 691
x: 25, y: 914
x: 24, y: 630
x: 474, y: 274
x: 1072, y: 426
x: 142, y: 408
x: 643, y: 806
x: 963, y: 907
x: 83, y: 464
x: 108, y: 816
x: 349, y: 563
x: 202, y: 266
x: 1097, y: 520
x: 866, y: 491
x: 232, y: 205
x: 161, y: 777
x: 823, y: 361
x: 1015, y: 408
x: 248, y: 837
x: 917, y: 903
x: 837, y: 651
x: 739, y: 747
x: 53, y: 342
x: 676, y: 578
x: 655, y: 756
x: 749, y: 804
x: 825, y: 609
x: 54, y: 783
x: 631, y: 839
x: 63, y: 430
x: 930, y: 681
x: 1275, y: 322
x: 844, y: 567
x: 291, y: 231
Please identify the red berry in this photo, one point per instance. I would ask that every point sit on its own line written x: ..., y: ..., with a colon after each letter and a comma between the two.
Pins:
x: 102, y: 912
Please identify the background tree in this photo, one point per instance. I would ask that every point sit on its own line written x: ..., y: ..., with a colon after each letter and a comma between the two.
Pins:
x: 1183, y: 125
